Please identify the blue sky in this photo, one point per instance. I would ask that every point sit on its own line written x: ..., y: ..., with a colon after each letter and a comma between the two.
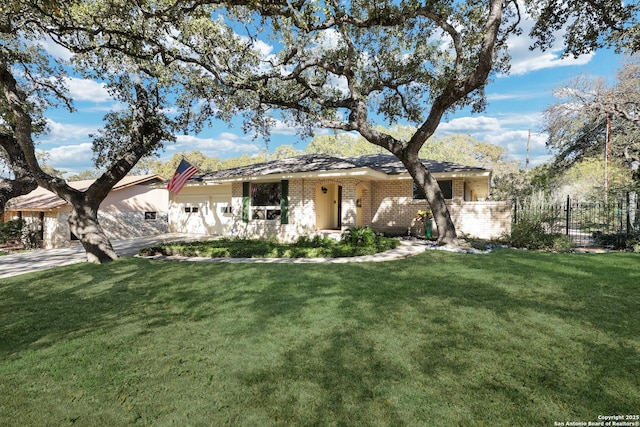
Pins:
x: 515, y: 105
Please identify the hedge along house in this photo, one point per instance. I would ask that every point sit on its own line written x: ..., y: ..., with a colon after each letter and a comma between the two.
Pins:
x: 135, y: 207
x: 315, y: 193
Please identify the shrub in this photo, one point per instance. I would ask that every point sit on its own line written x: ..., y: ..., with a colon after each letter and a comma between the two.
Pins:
x: 561, y: 243
x: 11, y: 231
x: 31, y: 238
x: 367, y: 243
x: 359, y: 236
x: 316, y: 241
x: 619, y: 241
x: 529, y: 232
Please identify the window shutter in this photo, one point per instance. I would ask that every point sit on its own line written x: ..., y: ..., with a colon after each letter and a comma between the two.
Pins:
x: 284, y: 202
x: 246, y: 193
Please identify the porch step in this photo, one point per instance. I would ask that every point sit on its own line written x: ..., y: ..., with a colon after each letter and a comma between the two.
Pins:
x: 331, y: 234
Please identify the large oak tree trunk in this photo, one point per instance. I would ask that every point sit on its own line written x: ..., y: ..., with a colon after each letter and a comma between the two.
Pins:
x: 146, y: 134
x: 447, y: 235
x: 23, y: 182
x: 83, y: 222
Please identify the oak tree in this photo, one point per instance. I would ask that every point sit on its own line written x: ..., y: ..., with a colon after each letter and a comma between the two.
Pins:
x: 593, y: 118
x: 31, y: 80
x: 348, y: 65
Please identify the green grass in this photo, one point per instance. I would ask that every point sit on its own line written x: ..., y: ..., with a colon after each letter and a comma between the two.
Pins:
x: 264, y: 248
x: 511, y: 338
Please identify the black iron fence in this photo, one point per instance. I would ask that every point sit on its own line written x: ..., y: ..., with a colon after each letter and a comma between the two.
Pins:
x: 616, y: 217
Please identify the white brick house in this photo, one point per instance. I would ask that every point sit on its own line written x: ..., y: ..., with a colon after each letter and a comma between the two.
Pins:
x: 313, y: 193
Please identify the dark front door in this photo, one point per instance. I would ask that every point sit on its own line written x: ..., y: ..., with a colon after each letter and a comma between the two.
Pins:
x: 339, y: 206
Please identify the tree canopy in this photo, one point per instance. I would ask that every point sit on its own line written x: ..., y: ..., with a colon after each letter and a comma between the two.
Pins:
x: 31, y: 80
x: 593, y: 118
x: 340, y: 65
x: 349, y: 65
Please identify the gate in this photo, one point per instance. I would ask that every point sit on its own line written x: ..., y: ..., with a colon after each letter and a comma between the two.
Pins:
x: 616, y: 217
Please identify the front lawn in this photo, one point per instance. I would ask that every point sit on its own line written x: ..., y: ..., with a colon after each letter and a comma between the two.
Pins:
x: 511, y: 338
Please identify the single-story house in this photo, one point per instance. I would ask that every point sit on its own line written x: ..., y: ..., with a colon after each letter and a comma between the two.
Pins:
x: 317, y: 193
x: 134, y: 207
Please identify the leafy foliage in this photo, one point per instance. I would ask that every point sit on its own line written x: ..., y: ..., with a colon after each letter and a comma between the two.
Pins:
x: 359, y: 236
x: 17, y: 232
x: 530, y: 233
x: 587, y: 27
x: 11, y: 231
x: 535, y: 225
x: 305, y: 247
x: 619, y: 241
x: 595, y: 119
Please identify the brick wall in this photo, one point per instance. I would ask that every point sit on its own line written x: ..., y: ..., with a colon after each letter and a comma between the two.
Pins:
x: 386, y: 206
x: 302, y: 210
x: 481, y: 219
x: 394, y: 211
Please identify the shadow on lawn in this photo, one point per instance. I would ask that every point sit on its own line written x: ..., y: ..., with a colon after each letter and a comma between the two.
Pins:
x: 88, y: 301
x: 544, y: 371
x: 471, y: 338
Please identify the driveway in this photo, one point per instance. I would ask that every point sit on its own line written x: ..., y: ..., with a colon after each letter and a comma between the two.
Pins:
x: 42, y: 259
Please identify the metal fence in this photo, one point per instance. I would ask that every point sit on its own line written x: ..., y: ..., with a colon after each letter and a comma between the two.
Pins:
x: 616, y: 217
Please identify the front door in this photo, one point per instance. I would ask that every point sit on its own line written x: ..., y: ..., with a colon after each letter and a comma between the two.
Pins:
x: 329, y: 206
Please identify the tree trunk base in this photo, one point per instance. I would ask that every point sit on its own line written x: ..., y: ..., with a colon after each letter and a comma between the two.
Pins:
x: 92, y: 236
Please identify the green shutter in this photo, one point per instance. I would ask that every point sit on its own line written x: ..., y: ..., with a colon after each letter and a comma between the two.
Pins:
x: 246, y: 192
x: 284, y: 202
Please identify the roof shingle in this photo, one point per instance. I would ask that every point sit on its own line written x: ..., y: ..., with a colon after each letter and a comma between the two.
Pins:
x: 384, y: 163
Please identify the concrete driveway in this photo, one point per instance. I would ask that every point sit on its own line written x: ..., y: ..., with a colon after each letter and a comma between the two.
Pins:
x: 42, y: 259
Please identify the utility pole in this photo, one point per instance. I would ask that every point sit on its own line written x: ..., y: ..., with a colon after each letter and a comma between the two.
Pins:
x: 526, y: 163
x: 607, y: 155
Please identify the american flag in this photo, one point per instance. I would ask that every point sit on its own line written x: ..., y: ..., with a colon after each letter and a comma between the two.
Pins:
x: 181, y: 176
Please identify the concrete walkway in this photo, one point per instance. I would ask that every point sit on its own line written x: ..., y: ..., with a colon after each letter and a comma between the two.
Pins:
x: 43, y: 259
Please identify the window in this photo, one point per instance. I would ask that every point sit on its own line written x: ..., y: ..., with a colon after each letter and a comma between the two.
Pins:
x: 150, y: 216
x: 190, y: 209
x: 446, y: 186
x: 265, y: 200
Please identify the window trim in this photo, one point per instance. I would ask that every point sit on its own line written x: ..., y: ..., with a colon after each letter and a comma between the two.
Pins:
x: 252, y: 212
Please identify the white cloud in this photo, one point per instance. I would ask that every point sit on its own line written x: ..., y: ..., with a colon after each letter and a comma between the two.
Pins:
x: 529, y: 120
x: 55, y: 49
x: 60, y: 133
x: 470, y: 125
x: 524, y: 60
x: 66, y: 155
x: 265, y: 49
x: 226, y: 142
x: 72, y: 158
x: 87, y: 90
x: 328, y: 39
x: 510, y: 132
x: 516, y: 96
x: 68, y: 146
x: 283, y: 128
